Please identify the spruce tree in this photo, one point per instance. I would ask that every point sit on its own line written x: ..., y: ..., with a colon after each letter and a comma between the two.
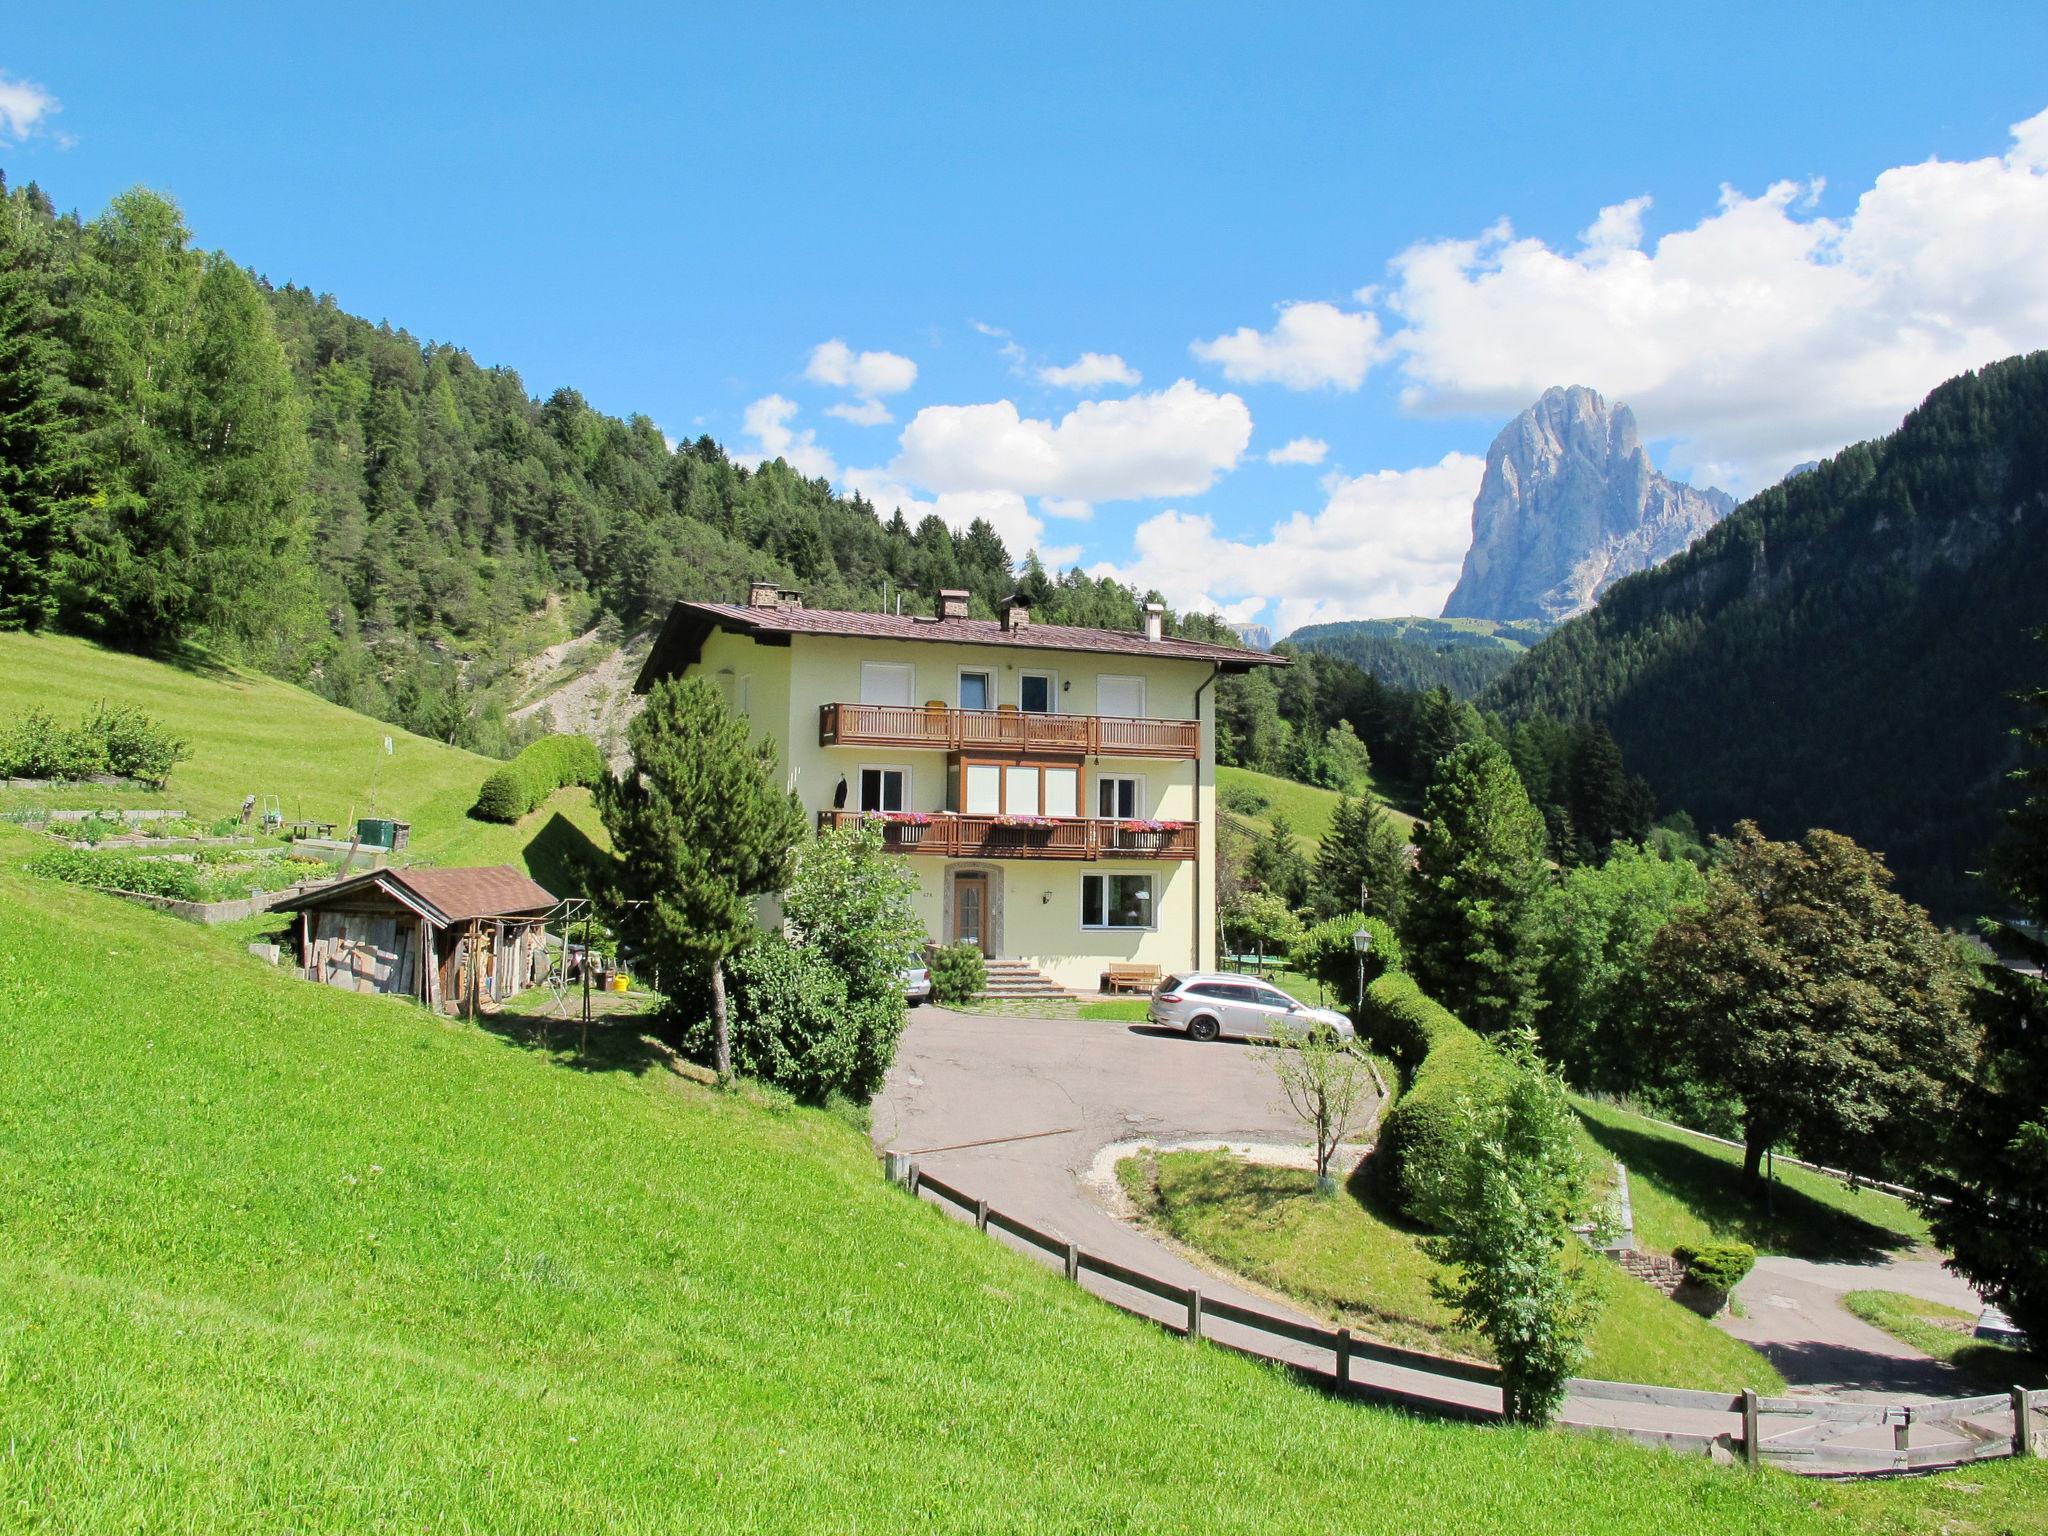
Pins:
x: 1470, y: 929
x: 702, y: 827
x: 1366, y: 850
x: 37, y: 450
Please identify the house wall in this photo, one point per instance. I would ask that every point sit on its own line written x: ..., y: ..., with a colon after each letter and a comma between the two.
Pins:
x: 1035, y: 903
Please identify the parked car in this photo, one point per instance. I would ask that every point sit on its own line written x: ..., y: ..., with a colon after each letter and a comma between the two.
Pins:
x: 917, y: 983
x: 1210, y: 1004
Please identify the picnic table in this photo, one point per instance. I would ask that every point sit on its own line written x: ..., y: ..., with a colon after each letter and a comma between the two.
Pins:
x: 305, y: 827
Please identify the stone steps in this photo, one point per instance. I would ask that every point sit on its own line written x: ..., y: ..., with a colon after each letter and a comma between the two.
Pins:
x: 1013, y: 980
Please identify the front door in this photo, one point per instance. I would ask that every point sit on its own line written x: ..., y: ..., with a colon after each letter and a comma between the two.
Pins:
x: 970, y: 911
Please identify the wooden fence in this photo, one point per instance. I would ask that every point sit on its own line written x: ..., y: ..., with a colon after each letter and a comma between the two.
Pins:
x: 1809, y: 1435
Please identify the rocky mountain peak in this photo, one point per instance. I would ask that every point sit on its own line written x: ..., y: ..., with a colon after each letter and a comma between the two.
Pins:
x: 1569, y: 504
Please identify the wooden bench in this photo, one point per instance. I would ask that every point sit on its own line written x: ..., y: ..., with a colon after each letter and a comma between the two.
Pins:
x: 1130, y: 978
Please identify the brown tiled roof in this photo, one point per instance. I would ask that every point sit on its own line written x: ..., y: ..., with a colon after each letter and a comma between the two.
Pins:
x: 682, y: 637
x: 450, y: 895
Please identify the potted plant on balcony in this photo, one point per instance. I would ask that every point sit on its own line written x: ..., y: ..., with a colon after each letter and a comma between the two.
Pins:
x: 905, y: 829
x: 1030, y: 826
x: 1146, y: 834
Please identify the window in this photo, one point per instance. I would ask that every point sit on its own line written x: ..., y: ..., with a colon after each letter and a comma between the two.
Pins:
x: 1020, y: 790
x: 1120, y: 696
x: 1119, y: 796
x: 883, y: 789
x: 1116, y: 901
x: 886, y: 682
x: 1035, y: 693
x: 975, y: 691
x: 1274, y: 999
x: 1062, y: 791
x: 984, y: 789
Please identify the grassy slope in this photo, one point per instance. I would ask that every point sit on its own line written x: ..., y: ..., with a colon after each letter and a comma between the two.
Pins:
x: 1308, y: 806
x: 1687, y: 1190
x: 1346, y: 1259
x: 252, y: 734
x: 284, y: 1257
x: 1947, y: 1333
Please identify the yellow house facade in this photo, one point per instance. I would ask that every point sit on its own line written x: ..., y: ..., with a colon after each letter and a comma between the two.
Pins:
x: 1051, y: 787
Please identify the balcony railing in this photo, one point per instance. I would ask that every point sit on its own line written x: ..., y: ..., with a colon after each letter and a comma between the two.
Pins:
x: 1008, y: 730
x: 1061, y: 837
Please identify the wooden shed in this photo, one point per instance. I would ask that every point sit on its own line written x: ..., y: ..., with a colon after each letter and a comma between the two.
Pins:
x: 413, y: 933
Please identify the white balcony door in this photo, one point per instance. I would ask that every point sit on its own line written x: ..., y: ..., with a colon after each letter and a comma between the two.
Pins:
x: 887, y: 682
x: 1123, y: 697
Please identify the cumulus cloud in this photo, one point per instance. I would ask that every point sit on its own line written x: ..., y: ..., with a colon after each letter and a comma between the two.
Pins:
x: 1171, y: 442
x: 1311, y: 346
x: 1763, y: 335
x: 23, y: 107
x: 1005, y: 511
x: 1299, y: 450
x: 1067, y: 507
x: 767, y: 422
x: 867, y: 375
x: 1385, y: 543
x: 1091, y: 370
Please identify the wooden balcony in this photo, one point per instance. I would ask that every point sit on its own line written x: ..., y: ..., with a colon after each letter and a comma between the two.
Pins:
x: 1004, y: 730
x: 1068, y: 837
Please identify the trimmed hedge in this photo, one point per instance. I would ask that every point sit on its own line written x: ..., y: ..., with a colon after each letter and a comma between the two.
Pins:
x: 552, y: 763
x: 1716, y: 1266
x: 1443, y: 1062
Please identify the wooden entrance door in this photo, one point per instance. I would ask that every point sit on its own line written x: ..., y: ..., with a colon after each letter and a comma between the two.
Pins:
x: 970, y: 911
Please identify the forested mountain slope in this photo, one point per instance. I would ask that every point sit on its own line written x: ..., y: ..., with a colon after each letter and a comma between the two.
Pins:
x: 1418, y: 654
x: 1842, y: 651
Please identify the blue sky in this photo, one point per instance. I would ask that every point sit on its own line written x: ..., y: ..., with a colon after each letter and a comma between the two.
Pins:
x: 672, y: 212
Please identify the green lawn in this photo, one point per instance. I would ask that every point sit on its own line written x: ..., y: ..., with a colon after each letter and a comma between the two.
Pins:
x: 1308, y: 807
x: 279, y: 1257
x: 1348, y: 1260
x: 1946, y: 1333
x: 1688, y: 1190
x: 252, y: 734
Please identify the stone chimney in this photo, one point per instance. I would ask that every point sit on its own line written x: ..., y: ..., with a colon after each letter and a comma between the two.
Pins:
x: 1016, y: 615
x: 952, y: 603
x: 762, y: 594
x: 1155, y: 621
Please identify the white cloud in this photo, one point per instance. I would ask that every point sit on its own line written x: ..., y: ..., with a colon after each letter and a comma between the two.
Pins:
x: 23, y: 106
x: 1763, y: 335
x: 1385, y: 543
x: 768, y: 420
x: 868, y: 375
x: 1311, y: 346
x: 1091, y: 370
x: 1299, y: 450
x: 1171, y: 442
x: 1067, y: 507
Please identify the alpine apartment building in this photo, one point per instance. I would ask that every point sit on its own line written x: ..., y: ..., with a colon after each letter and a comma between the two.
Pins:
x: 1052, y: 787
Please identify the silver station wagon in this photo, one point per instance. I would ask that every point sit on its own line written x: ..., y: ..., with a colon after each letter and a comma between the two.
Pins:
x: 1210, y: 1004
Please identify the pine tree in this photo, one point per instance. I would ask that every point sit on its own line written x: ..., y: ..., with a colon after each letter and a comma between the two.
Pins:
x: 1471, y: 903
x: 1364, y: 850
x: 37, y: 450
x: 1278, y: 866
x: 702, y: 827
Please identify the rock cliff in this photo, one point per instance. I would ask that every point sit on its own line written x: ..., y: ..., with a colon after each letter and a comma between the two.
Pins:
x: 1570, y: 504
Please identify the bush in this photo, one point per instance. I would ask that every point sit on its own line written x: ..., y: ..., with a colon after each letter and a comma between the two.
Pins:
x: 111, y: 739
x: 1716, y: 1266
x: 117, y: 872
x: 789, y: 1020
x: 1243, y: 799
x: 552, y: 763
x: 1325, y: 952
x: 1444, y: 1062
x: 958, y: 973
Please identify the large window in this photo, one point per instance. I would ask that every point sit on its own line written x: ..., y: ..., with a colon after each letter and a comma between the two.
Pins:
x: 1020, y: 789
x: 975, y: 691
x: 1119, y: 796
x: 1116, y: 901
x: 883, y: 789
x: 886, y: 682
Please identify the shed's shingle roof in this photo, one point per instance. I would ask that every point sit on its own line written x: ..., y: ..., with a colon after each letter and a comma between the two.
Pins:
x: 682, y: 636
x: 453, y: 895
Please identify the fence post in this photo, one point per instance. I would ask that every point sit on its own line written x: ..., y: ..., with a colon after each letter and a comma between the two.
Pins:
x: 896, y: 1167
x: 981, y: 1215
x: 2022, y: 1423
x: 1073, y: 1265
x: 1901, y: 1431
x: 1194, y: 1313
x: 916, y: 1179
x: 1344, y: 1355
x: 1752, y: 1445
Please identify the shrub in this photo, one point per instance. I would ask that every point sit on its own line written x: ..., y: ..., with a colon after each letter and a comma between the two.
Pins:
x: 1325, y: 952
x: 1243, y: 799
x: 1445, y: 1063
x: 790, y: 1023
x: 958, y: 973
x: 1716, y: 1266
x: 111, y: 739
x: 552, y: 763
x: 117, y: 872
